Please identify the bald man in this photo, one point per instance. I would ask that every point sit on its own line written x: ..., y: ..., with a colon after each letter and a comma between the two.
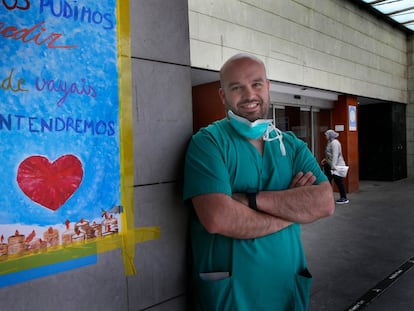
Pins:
x: 250, y: 186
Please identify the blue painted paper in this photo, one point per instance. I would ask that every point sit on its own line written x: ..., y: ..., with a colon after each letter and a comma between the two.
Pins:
x: 58, y: 97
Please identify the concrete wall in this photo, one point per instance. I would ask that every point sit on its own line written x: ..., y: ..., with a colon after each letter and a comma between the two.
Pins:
x: 327, y: 44
x: 162, y: 127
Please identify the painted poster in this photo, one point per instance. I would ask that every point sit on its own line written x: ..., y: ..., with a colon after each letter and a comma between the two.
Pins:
x: 59, y: 125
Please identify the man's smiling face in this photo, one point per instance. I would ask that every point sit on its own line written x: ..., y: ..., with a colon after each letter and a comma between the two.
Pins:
x: 245, y: 88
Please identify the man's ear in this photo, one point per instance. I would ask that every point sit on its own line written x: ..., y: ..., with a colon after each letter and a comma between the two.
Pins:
x: 222, y: 95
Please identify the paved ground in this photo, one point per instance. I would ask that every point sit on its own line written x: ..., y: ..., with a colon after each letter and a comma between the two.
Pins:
x: 363, y: 248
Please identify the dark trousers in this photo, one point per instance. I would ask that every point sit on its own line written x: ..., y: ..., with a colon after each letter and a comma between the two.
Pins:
x: 339, y: 181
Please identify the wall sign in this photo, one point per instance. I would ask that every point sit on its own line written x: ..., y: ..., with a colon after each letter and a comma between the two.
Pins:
x: 352, y: 118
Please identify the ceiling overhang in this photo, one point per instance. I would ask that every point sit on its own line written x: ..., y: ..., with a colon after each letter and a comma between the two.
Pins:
x: 399, y: 13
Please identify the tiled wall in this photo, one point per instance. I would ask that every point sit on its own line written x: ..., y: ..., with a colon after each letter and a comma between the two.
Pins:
x: 330, y: 45
x: 162, y: 128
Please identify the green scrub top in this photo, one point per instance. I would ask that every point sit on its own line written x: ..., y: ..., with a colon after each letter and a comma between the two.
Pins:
x: 266, y: 273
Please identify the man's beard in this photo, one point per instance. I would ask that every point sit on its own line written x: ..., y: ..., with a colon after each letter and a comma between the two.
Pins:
x: 264, y: 109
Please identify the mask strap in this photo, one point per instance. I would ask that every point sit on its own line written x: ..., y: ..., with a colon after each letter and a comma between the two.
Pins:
x: 279, y: 136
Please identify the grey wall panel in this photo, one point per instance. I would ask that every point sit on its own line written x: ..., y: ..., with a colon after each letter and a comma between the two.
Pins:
x: 162, y: 120
x: 159, y: 30
x: 162, y: 114
x: 161, y: 263
x: 98, y: 287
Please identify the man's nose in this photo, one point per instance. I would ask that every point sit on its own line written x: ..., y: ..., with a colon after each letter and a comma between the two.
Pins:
x: 248, y: 93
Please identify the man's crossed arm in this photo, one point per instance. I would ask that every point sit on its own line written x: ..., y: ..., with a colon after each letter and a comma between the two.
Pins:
x: 231, y: 216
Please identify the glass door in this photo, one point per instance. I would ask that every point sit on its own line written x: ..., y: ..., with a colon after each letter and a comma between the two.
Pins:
x: 303, y: 121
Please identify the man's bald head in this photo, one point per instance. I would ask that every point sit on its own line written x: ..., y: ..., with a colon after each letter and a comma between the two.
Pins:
x: 232, y: 61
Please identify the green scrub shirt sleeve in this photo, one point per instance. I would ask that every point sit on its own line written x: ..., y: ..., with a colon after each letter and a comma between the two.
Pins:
x: 204, y: 169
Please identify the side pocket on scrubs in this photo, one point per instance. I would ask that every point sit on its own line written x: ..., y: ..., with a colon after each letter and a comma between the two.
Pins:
x: 303, y: 285
x: 214, y: 294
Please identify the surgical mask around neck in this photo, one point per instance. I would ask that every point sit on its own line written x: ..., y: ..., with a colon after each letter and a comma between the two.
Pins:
x: 245, y: 128
x: 256, y: 129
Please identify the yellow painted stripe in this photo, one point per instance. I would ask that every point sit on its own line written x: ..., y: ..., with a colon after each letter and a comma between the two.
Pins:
x: 126, y: 136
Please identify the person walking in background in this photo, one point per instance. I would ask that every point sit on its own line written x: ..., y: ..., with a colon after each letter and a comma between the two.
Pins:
x: 333, y: 162
x: 249, y: 186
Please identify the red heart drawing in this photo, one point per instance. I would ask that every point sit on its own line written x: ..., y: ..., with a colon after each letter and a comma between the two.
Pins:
x: 50, y: 184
